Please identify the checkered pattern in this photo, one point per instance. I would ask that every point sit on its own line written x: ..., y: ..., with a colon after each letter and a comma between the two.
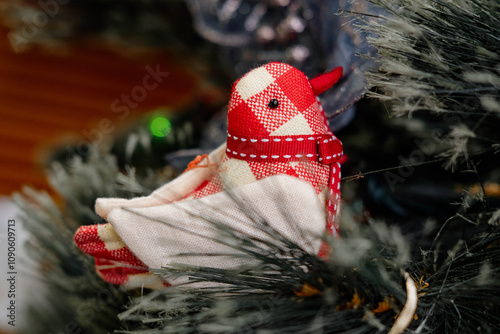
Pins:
x: 114, y: 261
x: 209, y: 187
x: 299, y: 113
x: 249, y: 114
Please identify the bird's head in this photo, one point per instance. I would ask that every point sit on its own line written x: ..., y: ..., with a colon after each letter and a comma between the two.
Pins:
x: 277, y: 100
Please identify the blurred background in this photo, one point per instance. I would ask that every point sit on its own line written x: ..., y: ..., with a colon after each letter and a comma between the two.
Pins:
x: 50, y: 97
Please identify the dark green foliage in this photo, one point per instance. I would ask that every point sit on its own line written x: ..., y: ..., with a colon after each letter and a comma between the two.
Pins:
x: 76, y: 297
x: 441, y: 56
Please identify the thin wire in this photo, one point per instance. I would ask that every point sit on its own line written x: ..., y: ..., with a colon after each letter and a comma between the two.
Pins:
x: 361, y: 175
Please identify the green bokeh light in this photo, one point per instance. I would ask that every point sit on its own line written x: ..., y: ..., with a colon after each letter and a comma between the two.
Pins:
x: 160, y: 126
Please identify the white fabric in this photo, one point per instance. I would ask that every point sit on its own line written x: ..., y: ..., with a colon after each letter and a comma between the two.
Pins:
x: 157, y: 235
x: 296, y: 126
x: 235, y: 173
x: 172, y: 191
x: 254, y: 82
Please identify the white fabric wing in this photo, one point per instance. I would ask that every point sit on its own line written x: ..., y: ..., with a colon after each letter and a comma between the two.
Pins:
x: 157, y: 235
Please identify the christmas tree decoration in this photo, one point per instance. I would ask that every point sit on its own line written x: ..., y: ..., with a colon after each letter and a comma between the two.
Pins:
x: 276, y: 126
x: 75, y: 298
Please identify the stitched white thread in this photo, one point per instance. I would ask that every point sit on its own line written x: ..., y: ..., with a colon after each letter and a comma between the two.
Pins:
x: 310, y: 155
x: 287, y: 139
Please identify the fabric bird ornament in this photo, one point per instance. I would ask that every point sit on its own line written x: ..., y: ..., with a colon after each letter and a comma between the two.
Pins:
x: 280, y: 162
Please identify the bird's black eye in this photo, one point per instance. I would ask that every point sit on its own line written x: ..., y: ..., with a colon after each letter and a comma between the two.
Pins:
x: 273, y: 104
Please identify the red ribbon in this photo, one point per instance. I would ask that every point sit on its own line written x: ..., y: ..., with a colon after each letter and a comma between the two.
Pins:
x: 326, y: 149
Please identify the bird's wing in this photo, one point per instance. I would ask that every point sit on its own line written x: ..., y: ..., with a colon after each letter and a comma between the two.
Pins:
x: 187, y: 231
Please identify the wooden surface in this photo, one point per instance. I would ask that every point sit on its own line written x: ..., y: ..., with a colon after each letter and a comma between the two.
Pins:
x: 46, y: 98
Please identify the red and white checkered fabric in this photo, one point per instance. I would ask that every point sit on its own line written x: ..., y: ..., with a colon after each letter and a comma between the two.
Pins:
x: 276, y: 103
x: 299, y: 113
